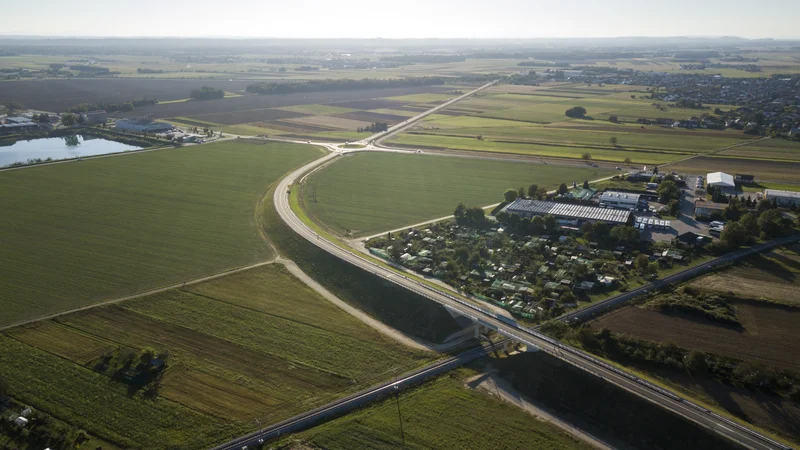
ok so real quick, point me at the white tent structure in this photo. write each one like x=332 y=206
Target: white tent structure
x=720 y=179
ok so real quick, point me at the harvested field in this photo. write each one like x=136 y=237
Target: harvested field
x=293 y=127
x=779 y=286
x=330 y=122
x=317 y=110
x=762 y=169
x=58 y=95
x=768 y=331
x=254 y=345
x=78 y=233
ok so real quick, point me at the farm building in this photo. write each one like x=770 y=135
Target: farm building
x=142 y=125
x=721 y=180
x=782 y=198
x=566 y=213
x=7 y=128
x=94 y=116
x=704 y=208
x=621 y=200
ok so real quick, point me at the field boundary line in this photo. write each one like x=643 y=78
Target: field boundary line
x=143 y=293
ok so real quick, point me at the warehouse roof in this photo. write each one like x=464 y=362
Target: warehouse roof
x=619 y=197
x=567 y=210
x=780 y=193
x=720 y=179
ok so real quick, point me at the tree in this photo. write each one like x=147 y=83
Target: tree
x=734 y=235
x=586 y=156
x=641 y=262
x=695 y=362
x=510 y=195
x=750 y=224
x=625 y=235
x=502 y=217
x=763 y=205
x=563 y=189
x=655 y=170
x=628 y=161
x=476 y=215
x=773 y=224
x=601 y=231
x=586 y=229
x=460 y=211
x=521 y=192
x=586 y=184
x=533 y=191
x=613 y=140
x=537 y=225
x=613 y=119
x=576 y=112
x=69 y=119
x=674 y=208
x=13 y=107
x=550 y=223
x=667 y=191
x=127 y=107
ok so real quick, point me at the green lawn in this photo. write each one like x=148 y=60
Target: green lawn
x=777 y=149
x=442 y=414
x=554 y=151
x=372 y=192
x=76 y=233
x=255 y=345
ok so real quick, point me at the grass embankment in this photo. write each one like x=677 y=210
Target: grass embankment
x=255 y=345
x=392 y=305
x=77 y=233
x=372 y=192
x=441 y=414
x=602 y=409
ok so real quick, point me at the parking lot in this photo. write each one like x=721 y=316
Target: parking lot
x=682 y=224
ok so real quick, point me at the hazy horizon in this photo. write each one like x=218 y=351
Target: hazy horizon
x=359 y=19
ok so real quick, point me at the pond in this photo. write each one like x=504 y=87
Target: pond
x=59 y=148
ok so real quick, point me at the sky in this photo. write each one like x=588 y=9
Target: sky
x=405 y=19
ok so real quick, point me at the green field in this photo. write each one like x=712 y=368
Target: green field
x=629 y=137
x=255 y=345
x=777 y=149
x=372 y=192
x=552 y=151
x=441 y=414
x=77 y=233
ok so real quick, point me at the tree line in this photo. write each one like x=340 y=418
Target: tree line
x=207 y=93
x=376 y=127
x=272 y=87
x=128 y=106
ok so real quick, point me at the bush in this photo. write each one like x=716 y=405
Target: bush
x=576 y=112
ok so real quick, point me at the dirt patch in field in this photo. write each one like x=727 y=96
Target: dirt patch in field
x=778 y=285
x=762 y=169
x=258 y=115
x=768 y=332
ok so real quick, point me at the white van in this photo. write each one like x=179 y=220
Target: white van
x=717 y=224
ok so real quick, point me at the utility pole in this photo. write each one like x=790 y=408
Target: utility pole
x=397 y=401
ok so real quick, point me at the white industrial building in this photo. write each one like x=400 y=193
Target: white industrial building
x=567 y=213
x=621 y=200
x=721 y=180
x=782 y=198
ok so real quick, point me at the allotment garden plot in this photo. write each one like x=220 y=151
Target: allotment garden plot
x=85 y=231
